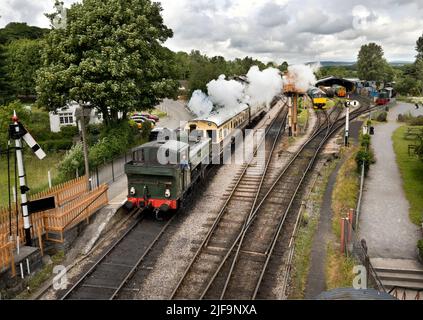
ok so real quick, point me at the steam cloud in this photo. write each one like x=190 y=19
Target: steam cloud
x=228 y=96
x=302 y=75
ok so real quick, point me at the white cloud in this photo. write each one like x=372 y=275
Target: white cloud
x=273 y=29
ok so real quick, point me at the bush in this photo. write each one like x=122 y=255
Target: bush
x=56 y=145
x=365 y=141
x=420 y=248
x=366 y=157
x=73 y=160
x=417 y=121
x=69 y=132
x=382 y=116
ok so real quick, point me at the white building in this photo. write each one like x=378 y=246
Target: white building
x=66 y=117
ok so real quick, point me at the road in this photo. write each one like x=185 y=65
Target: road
x=177 y=114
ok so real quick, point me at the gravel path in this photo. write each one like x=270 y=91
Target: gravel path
x=384 y=221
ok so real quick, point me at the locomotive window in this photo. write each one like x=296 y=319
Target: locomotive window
x=167 y=153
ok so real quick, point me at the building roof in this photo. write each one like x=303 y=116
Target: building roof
x=330 y=81
x=222 y=115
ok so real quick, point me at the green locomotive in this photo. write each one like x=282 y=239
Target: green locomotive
x=162 y=172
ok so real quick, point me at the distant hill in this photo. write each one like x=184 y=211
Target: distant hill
x=347 y=64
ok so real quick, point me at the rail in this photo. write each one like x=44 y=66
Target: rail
x=222 y=211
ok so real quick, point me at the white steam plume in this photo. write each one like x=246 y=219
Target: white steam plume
x=302 y=76
x=263 y=85
x=200 y=104
x=225 y=93
x=229 y=96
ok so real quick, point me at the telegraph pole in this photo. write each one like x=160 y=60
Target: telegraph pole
x=347 y=124
x=84 y=143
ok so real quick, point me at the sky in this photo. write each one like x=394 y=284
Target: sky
x=273 y=30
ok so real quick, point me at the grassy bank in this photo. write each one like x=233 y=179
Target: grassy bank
x=36 y=171
x=345 y=194
x=411 y=169
x=304 y=240
x=339 y=269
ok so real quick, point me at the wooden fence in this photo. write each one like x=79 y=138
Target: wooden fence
x=74 y=203
x=61 y=219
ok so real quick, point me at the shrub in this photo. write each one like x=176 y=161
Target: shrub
x=364 y=157
x=69 y=131
x=56 y=145
x=382 y=117
x=72 y=161
x=420 y=248
x=417 y=121
x=365 y=140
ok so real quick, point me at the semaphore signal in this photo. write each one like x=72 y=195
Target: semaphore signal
x=18 y=132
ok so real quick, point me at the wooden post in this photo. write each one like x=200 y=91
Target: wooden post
x=342 y=235
x=12 y=262
x=40 y=240
x=294 y=114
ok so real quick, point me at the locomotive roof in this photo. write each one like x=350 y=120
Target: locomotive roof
x=172 y=145
x=223 y=115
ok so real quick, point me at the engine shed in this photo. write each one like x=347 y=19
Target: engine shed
x=330 y=81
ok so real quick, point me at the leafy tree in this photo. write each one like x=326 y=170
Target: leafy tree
x=109 y=54
x=5 y=90
x=372 y=65
x=17 y=30
x=6 y=113
x=419 y=48
x=284 y=66
x=23 y=61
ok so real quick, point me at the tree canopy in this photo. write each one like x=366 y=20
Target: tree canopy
x=23 y=61
x=372 y=65
x=110 y=54
x=17 y=30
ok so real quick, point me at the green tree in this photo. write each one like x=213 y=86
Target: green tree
x=5 y=89
x=372 y=65
x=419 y=48
x=284 y=66
x=23 y=61
x=109 y=54
x=17 y=30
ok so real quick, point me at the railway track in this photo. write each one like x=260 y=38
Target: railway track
x=246 y=268
x=239 y=274
x=234 y=213
x=109 y=277
x=116 y=273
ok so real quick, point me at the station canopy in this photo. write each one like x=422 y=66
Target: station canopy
x=330 y=81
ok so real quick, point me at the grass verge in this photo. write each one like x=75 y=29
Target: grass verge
x=304 y=240
x=411 y=169
x=346 y=190
x=339 y=269
x=35 y=282
x=36 y=173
